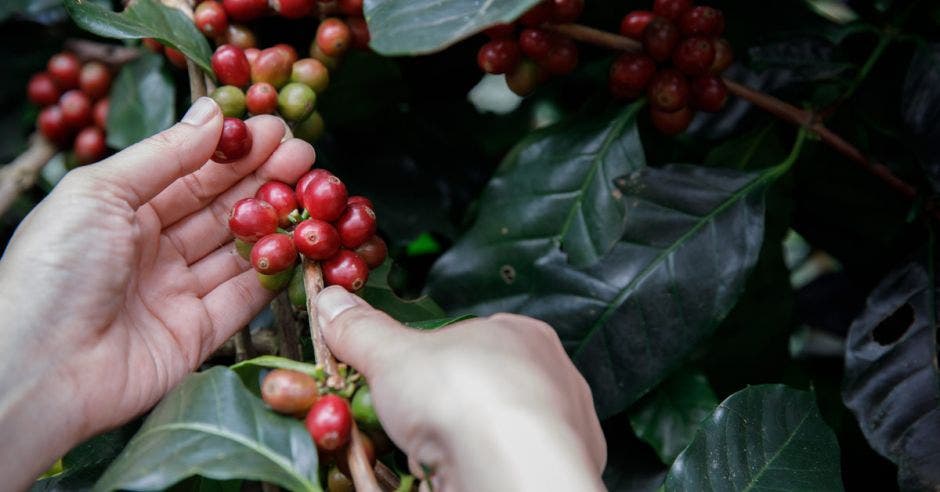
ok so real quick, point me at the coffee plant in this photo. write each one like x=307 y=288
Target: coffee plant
x=726 y=209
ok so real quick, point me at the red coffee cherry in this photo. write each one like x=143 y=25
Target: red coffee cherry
x=64 y=69
x=251 y=54
x=176 y=57
x=287 y=51
x=76 y=108
x=671 y=9
x=566 y=10
x=234 y=143
x=311 y=72
x=89 y=145
x=373 y=251
x=293 y=9
x=333 y=37
x=694 y=55
x=252 y=219
x=525 y=78
x=724 y=56
x=346 y=269
x=631 y=73
x=500 y=31
x=352 y=8
x=95 y=79
x=281 y=197
x=562 y=57
x=356 y=225
x=52 y=125
x=537 y=15
x=240 y=36
x=324 y=197
x=359 y=199
x=271 y=66
x=702 y=21
x=316 y=239
x=289 y=392
x=261 y=98
x=660 y=39
x=99 y=113
x=245 y=10
x=709 y=93
x=303 y=182
x=231 y=66
x=360 y=32
x=211 y=19
x=634 y=23
x=329 y=422
x=535 y=43
x=672 y=123
x=498 y=56
x=669 y=90
x=152 y=45
x=273 y=253
x=42 y=90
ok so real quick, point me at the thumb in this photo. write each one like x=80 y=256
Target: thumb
x=358 y=334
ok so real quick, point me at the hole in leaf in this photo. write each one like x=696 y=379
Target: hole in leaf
x=893 y=327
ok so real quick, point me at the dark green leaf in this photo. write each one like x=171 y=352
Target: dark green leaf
x=433 y=324
x=142 y=102
x=668 y=417
x=84 y=463
x=891 y=378
x=920 y=105
x=250 y=371
x=806 y=58
x=210 y=425
x=411 y=27
x=767 y=437
x=144 y=19
x=380 y=295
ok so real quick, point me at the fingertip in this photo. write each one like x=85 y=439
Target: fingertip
x=334 y=301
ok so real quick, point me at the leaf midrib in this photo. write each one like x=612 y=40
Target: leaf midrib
x=757 y=476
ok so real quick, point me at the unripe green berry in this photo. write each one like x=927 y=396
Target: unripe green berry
x=277 y=281
x=363 y=411
x=312 y=72
x=243 y=248
x=231 y=99
x=295 y=101
x=295 y=289
x=310 y=129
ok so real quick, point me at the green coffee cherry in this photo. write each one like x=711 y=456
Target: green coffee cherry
x=295 y=101
x=363 y=411
x=276 y=282
x=231 y=99
x=310 y=129
x=295 y=289
x=243 y=248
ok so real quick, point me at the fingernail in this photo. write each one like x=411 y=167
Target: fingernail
x=332 y=302
x=201 y=112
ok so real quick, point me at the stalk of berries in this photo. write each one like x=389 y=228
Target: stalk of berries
x=74 y=102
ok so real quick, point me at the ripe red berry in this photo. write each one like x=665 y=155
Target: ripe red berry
x=702 y=21
x=251 y=54
x=76 y=108
x=311 y=72
x=303 y=182
x=231 y=66
x=287 y=51
x=273 y=253
x=281 y=197
x=525 y=78
x=500 y=31
x=562 y=57
x=373 y=251
x=360 y=32
x=152 y=45
x=52 y=124
x=724 y=56
x=566 y=10
x=660 y=39
x=498 y=56
x=42 y=89
x=64 y=69
x=671 y=9
x=324 y=197
x=669 y=90
x=240 y=36
x=329 y=422
x=272 y=66
x=252 y=219
x=359 y=199
x=99 y=113
x=333 y=37
x=632 y=72
x=535 y=43
x=709 y=93
x=352 y=8
x=176 y=57
x=245 y=10
x=95 y=79
x=211 y=19
x=634 y=23
x=293 y=9
x=346 y=269
x=316 y=239
x=289 y=392
x=89 y=145
x=537 y=15
x=356 y=225
x=261 y=98
x=671 y=123
x=234 y=143
x=694 y=55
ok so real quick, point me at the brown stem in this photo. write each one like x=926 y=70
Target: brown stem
x=20 y=175
x=287 y=328
x=362 y=475
x=244 y=349
x=597 y=37
x=110 y=54
x=387 y=479
x=313 y=284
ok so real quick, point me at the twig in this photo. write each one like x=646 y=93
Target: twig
x=109 y=54
x=362 y=476
x=286 y=326
x=313 y=284
x=597 y=37
x=244 y=349
x=387 y=479
x=20 y=175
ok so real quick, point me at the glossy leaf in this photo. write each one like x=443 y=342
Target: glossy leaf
x=380 y=295
x=210 y=425
x=920 y=106
x=410 y=27
x=767 y=437
x=144 y=19
x=142 y=102
x=251 y=370
x=668 y=417
x=891 y=380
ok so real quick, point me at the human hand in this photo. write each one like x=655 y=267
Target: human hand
x=488 y=404
x=124 y=279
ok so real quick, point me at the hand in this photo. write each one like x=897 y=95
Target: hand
x=489 y=404
x=123 y=280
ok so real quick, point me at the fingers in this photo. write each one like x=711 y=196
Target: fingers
x=232 y=305
x=359 y=335
x=218 y=267
x=143 y=170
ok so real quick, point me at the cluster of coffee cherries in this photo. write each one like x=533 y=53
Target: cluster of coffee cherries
x=316 y=219
x=529 y=57
x=329 y=418
x=74 y=101
x=680 y=66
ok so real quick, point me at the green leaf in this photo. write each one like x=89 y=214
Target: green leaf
x=411 y=27
x=891 y=383
x=210 y=425
x=380 y=295
x=433 y=324
x=84 y=463
x=767 y=437
x=144 y=19
x=668 y=417
x=142 y=102
x=250 y=370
